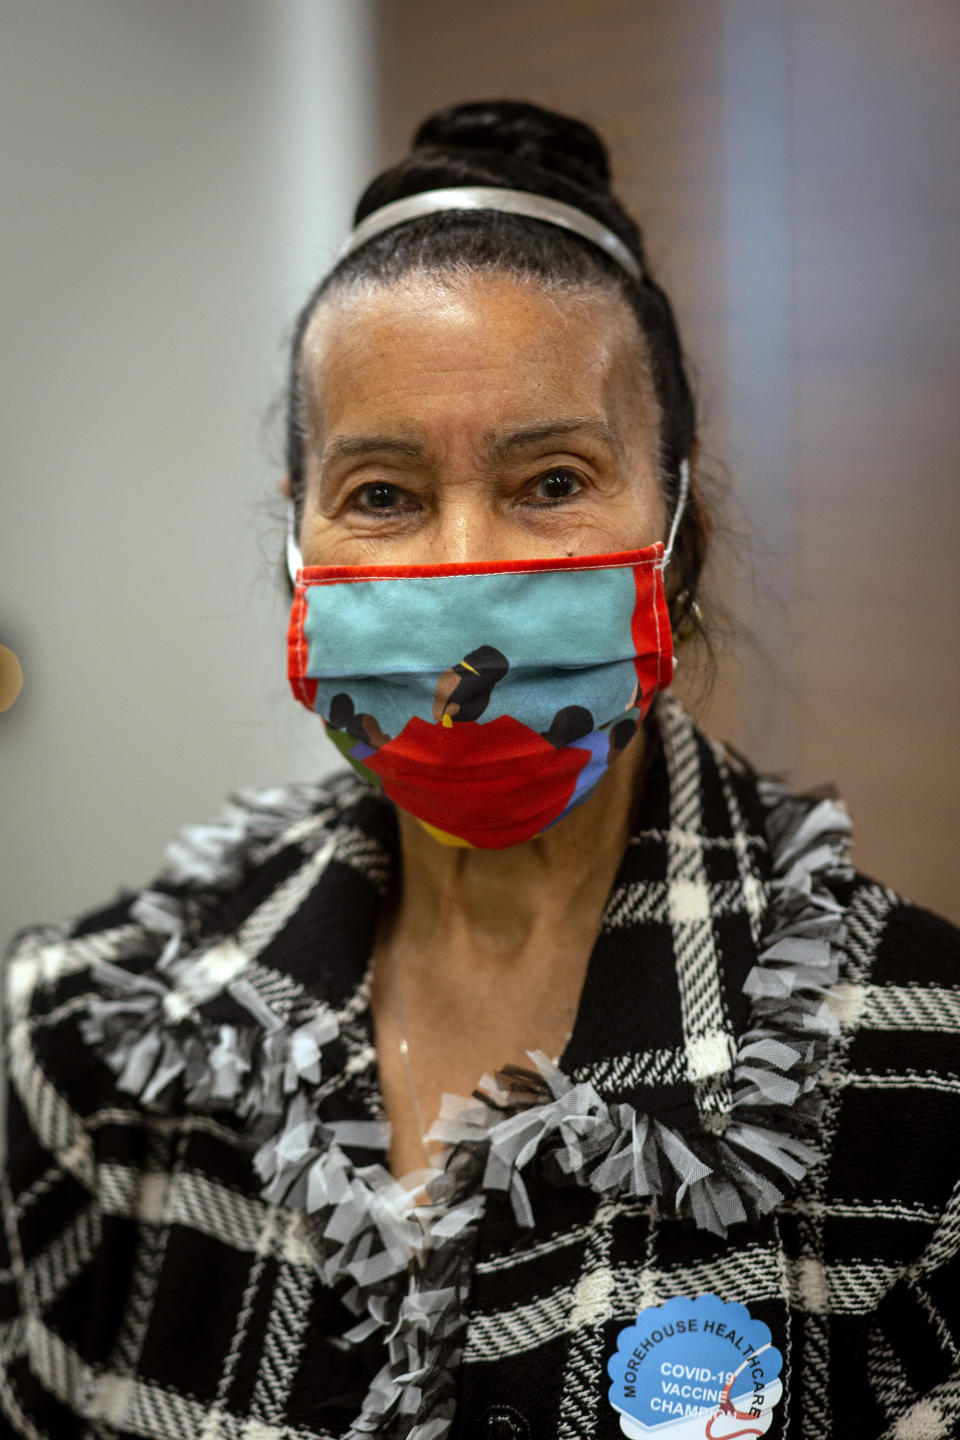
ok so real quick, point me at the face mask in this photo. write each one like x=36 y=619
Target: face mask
x=485 y=699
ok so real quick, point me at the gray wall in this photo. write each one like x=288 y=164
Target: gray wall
x=175 y=175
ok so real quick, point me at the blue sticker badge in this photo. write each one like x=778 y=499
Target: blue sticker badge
x=695 y=1369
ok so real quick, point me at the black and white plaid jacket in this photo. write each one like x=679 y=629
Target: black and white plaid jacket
x=147 y=1290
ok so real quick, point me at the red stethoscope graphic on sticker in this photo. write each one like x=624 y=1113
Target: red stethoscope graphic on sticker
x=695 y=1368
x=728 y=1411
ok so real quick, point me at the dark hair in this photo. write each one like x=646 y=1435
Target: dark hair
x=523 y=147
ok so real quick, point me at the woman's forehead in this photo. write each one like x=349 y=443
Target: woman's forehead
x=481 y=303
x=482 y=343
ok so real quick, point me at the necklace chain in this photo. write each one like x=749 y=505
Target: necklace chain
x=405 y=1048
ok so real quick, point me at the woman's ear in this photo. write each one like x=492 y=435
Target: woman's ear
x=284 y=485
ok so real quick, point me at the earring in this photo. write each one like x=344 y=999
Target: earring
x=691 y=617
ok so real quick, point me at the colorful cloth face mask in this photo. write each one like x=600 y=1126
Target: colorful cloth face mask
x=485 y=699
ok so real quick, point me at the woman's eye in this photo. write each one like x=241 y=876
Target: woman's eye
x=379 y=496
x=556 y=485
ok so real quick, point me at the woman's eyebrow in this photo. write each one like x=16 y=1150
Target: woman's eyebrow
x=498 y=447
x=501 y=447
x=371 y=444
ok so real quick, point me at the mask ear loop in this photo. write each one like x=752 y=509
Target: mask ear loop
x=682 y=496
x=294 y=558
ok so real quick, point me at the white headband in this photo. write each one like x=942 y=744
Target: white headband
x=295 y=559
x=492 y=197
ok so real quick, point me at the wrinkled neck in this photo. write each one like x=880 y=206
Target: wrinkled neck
x=495 y=905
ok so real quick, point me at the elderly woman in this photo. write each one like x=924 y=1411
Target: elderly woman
x=547 y=1073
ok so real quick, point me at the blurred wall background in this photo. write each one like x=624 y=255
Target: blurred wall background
x=793 y=164
x=176 y=174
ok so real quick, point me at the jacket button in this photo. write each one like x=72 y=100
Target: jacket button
x=503 y=1422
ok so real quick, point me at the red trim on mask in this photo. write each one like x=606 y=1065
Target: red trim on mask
x=331 y=574
x=650 y=629
x=664 y=654
x=304 y=688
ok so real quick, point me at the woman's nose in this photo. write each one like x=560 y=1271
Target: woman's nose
x=469 y=531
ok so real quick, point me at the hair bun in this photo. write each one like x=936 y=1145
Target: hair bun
x=554 y=142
